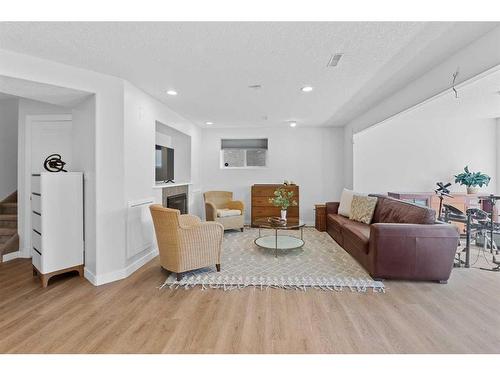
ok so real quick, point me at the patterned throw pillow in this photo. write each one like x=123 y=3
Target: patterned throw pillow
x=362 y=208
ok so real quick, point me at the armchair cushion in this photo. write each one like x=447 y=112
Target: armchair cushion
x=226 y=212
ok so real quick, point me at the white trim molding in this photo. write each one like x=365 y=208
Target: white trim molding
x=25 y=175
x=109 y=277
x=14 y=255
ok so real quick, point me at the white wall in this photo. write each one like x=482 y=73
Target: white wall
x=142 y=112
x=311 y=157
x=124 y=138
x=83 y=116
x=476 y=58
x=109 y=175
x=8 y=147
x=430 y=144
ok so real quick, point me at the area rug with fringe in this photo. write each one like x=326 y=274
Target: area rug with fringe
x=321 y=264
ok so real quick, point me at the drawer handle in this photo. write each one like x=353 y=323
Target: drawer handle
x=37 y=213
x=37 y=232
x=34 y=248
x=37 y=194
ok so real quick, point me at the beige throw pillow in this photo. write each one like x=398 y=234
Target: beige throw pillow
x=345 y=202
x=362 y=208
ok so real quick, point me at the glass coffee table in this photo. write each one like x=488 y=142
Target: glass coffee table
x=279 y=242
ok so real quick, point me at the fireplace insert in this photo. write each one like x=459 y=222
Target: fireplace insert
x=178 y=202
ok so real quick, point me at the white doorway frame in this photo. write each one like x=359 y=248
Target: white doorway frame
x=24 y=219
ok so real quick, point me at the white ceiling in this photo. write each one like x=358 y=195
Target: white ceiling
x=211 y=64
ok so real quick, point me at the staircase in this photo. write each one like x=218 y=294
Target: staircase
x=9 y=239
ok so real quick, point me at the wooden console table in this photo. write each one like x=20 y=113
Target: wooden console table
x=260 y=201
x=320 y=217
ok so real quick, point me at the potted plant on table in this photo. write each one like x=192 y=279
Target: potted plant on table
x=472 y=180
x=283 y=199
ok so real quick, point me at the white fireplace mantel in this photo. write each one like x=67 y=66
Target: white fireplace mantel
x=167 y=185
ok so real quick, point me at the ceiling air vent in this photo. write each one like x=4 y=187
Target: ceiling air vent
x=334 y=60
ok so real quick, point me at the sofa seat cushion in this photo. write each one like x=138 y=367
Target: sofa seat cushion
x=357 y=235
x=225 y=212
x=337 y=221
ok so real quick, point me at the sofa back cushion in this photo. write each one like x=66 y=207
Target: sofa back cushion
x=390 y=210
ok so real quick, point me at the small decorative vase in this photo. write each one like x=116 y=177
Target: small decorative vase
x=472 y=189
x=283 y=215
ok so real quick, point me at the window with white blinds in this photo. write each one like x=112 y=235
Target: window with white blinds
x=244 y=153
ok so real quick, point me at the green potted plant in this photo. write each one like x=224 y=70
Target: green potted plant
x=472 y=180
x=283 y=199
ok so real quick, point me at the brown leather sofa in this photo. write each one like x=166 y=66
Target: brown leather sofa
x=403 y=242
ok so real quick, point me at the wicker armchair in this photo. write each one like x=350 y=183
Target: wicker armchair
x=185 y=242
x=215 y=201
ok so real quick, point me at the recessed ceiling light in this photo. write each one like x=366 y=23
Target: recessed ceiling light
x=172 y=92
x=307 y=88
x=293 y=124
x=209 y=123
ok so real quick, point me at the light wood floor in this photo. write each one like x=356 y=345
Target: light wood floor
x=133 y=316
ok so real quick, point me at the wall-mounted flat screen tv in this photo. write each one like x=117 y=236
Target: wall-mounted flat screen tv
x=164 y=161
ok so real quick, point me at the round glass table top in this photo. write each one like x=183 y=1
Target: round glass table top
x=274 y=223
x=279 y=242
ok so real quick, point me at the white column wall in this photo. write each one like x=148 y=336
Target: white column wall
x=109 y=168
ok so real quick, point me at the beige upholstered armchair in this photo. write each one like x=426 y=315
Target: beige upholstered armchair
x=220 y=207
x=185 y=242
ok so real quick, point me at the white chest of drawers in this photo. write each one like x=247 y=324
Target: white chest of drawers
x=57 y=224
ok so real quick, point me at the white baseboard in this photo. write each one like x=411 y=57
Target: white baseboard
x=10 y=256
x=131 y=268
x=90 y=276
x=122 y=273
x=14 y=255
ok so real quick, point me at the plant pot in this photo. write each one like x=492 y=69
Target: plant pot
x=472 y=189
x=283 y=214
